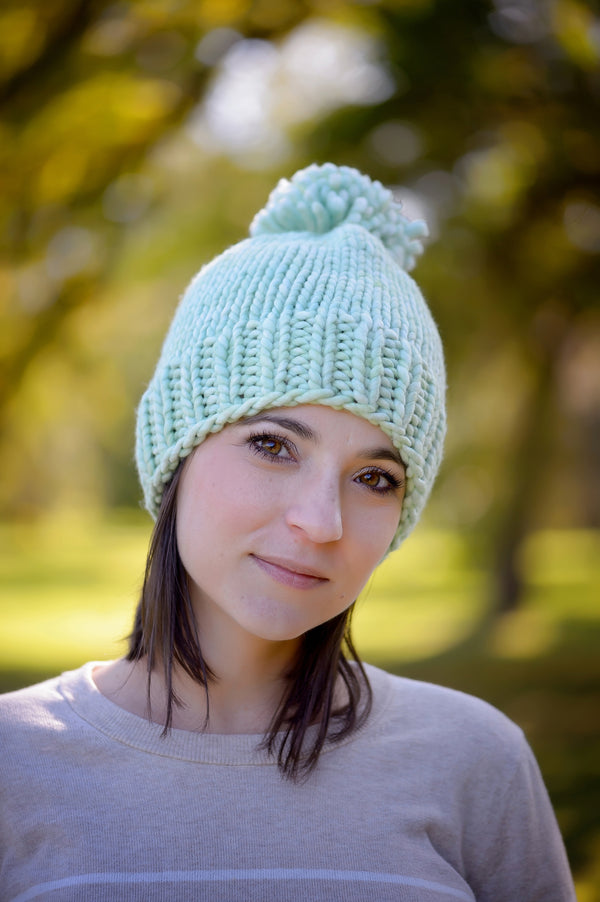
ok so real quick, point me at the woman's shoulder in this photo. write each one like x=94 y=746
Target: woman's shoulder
x=42 y=706
x=436 y=716
x=21 y=702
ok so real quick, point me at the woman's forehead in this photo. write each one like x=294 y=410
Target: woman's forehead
x=319 y=415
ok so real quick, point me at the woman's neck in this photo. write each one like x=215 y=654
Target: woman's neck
x=248 y=686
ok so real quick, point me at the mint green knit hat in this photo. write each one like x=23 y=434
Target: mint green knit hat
x=316 y=307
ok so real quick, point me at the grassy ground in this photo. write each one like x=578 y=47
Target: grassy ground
x=68 y=588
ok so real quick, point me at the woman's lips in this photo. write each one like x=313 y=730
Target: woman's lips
x=298 y=576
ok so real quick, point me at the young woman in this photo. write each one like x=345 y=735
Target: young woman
x=286 y=443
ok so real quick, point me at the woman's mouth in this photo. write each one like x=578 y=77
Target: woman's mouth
x=290 y=573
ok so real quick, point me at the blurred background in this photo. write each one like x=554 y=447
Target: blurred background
x=138 y=139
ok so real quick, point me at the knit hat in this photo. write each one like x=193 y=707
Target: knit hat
x=316 y=307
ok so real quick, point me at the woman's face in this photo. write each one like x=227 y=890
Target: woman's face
x=281 y=519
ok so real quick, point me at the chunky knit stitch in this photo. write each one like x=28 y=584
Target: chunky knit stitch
x=316 y=307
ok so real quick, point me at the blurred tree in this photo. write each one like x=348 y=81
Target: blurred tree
x=88 y=90
x=125 y=126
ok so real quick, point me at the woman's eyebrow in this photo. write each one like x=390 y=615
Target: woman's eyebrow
x=302 y=430
x=382 y=454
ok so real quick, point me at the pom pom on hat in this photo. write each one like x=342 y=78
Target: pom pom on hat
x=320 y=198
x=316 y=307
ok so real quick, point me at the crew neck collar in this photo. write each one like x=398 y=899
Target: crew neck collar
x=81 y=693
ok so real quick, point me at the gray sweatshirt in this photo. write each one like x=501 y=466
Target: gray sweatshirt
x=437 y=798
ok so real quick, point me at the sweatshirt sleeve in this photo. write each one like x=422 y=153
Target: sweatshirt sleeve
x=517 y=852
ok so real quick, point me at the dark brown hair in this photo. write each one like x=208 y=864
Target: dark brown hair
x=165 y=632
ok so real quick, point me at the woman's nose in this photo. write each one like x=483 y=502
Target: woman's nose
x=316 y=510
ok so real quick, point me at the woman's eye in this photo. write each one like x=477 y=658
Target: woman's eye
x=378 y=481
x=270 y=446
x=370 y=479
